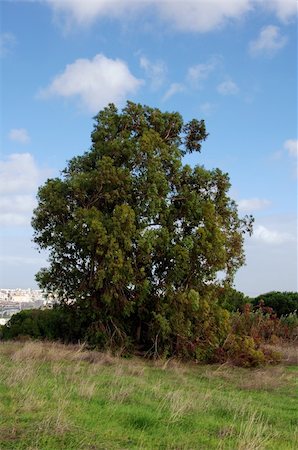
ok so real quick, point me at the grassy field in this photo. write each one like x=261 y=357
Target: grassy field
x=62 y=397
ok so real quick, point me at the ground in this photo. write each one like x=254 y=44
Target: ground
x=65 y=397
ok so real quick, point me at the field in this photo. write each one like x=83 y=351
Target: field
x=63 y=397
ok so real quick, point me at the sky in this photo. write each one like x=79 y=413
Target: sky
x=231 y=63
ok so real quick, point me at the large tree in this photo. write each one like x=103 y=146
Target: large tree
x=136 y=238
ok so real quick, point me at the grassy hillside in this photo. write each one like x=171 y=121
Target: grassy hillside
x=62 y=397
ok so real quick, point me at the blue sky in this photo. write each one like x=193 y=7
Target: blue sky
x=232 y=63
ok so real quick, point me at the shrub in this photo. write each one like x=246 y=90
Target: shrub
x=189 y=325
x=243 y=351
x=283 y=303
x=35 y=323
x=232 y=300
x=289 y=326
x=261 y=324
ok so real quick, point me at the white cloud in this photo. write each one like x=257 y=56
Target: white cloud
x=174 y=88
x=198 y=73
x=285 y=10
x=7 y=42
x=253 y=204
x=203 y=16
x=208 y=108
x=19 y=260
x=269 y=236
x=228 y=87
x=19 y=135
x=19 y=179
x=269 y=41
x=155 y=71
x=85 y=12
x=291 y=145
x=270 y=266
x=95 y=82
x=190 y=15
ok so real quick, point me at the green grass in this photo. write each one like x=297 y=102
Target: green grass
x=58 y=397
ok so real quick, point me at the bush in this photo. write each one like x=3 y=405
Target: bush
x=243 y=351
x=289 y=326
x=232 y=300
x=261 y=324
x=35 y=323
x=283 y=303
x=190 y=325
x=198 y=328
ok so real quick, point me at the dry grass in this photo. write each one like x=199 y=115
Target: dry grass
x=266 y=378
x=86 y=389
x=28 y=400
x=56 y=396
x=10 y=433
x=52 y=351
x=120 y=394
x=56 y=422
x=254 y=432
x=22 y=374
x=288 y=351
x=178 y=404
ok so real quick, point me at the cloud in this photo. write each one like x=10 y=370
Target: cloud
x=198 y=73
x=85 y=12
x=19 y=179
x=253 y=204
x=269 y=236
x=269 y=41
x=7 y=42
x=174 y=88
x=154 y=71
x=285 y=10
x=270 y=266
x=208 y=108
x=19 y=260
x=291 y=145
x=190 y=15
x=96 y=82
x=203 y=16
x=19 y=135
x=228 y=87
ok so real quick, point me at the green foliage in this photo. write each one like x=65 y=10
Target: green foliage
x=60 y=323
x=283 y=303
x=261 y=324
x=243 y=351
x=136 y=239
x=189 y=326
x=232 y=300
x=289 y=326
x=35 y=323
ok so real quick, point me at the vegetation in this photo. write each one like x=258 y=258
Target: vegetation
x=233 y=300
x=241 y=339
x=63 y=397
x=283 y=303
x=136 y=239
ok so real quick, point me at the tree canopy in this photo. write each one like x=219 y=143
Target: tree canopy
x=136 y=238
x=282 y=303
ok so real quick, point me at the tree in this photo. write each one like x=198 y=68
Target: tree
x=136 y=239
x=233 y=300
x=283 y=303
